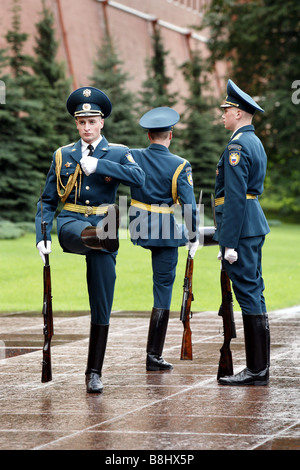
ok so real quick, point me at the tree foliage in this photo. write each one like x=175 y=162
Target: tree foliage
x=156 y=88
x=33 y=120
x=121 y=126
x=260 y=40
x=49 y=84
x=202 y=137
x=20 y=179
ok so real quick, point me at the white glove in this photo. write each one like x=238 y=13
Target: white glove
x=89 y=165
x=193 y=247
x=230 y=255
x=220 y=257
x=44 y=250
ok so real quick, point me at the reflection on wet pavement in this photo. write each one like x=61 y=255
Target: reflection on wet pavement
x=182 y=409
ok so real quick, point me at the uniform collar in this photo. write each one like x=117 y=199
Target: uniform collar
x=94 y=144
x=249 y=127
x=158 y=147
x=77 y=150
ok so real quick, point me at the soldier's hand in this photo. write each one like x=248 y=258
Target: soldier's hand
x=44 y=250
x=193 y=248
x=220 y=257
x=230 y=255
x=89 y=165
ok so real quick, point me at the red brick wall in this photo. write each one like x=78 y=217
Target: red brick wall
x=80 y=26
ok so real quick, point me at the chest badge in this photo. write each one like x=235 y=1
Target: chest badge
x=68 y=164
x=108 y=179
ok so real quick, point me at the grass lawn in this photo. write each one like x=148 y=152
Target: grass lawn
x=22 y=272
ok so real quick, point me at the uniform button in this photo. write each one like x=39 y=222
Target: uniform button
x=87 y=201
x=87 y=188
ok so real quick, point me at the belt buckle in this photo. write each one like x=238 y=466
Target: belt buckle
x=88 y=211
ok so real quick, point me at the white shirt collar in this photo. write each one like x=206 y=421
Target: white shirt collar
x=94 y=144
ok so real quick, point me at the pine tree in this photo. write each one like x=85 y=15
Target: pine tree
x=20 y=176
x=203 y=138
x=122 y=125
x=260 y=39
x=50 y=85
x=155 y=89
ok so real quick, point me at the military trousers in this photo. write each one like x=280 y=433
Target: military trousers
x=100 y=270
x=164 y=262
x=246 y=276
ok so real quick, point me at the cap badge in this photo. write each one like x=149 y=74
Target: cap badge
x=86 y=106
x=87 y=92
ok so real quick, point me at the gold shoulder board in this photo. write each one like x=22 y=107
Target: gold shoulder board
x=174 y=182
x=237 y=136
x=68 y=145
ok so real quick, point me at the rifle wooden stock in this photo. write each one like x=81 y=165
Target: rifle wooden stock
x=226 y=312
x=186 y=347
x=48 y=323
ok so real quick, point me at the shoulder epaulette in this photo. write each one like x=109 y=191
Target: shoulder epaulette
x=116 y=145
x=237 y=136
x=174 y=182
x=68 y=145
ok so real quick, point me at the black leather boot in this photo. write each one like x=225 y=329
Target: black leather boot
x=156 y=339
x=106 y=237
x=256 y=345
x=268 y=337
x=97 y=347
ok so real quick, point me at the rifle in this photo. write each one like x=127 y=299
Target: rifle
x=185 y=313
x=188 y=297
x=226 y=312
x=47 y=311
x=229 y=331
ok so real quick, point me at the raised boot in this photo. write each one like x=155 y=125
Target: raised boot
x=156 y=340
x=105 y=237
x=256 y=346
x=97 y=347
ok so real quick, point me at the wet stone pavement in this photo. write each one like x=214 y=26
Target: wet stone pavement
x=182 y=410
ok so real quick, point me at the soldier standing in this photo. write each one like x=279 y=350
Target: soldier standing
x=241 y=229
x=85 y=176
x=168 y=179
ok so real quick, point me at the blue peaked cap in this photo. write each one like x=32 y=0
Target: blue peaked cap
x=159 y=119
x=239 y=99
x=88 y=101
